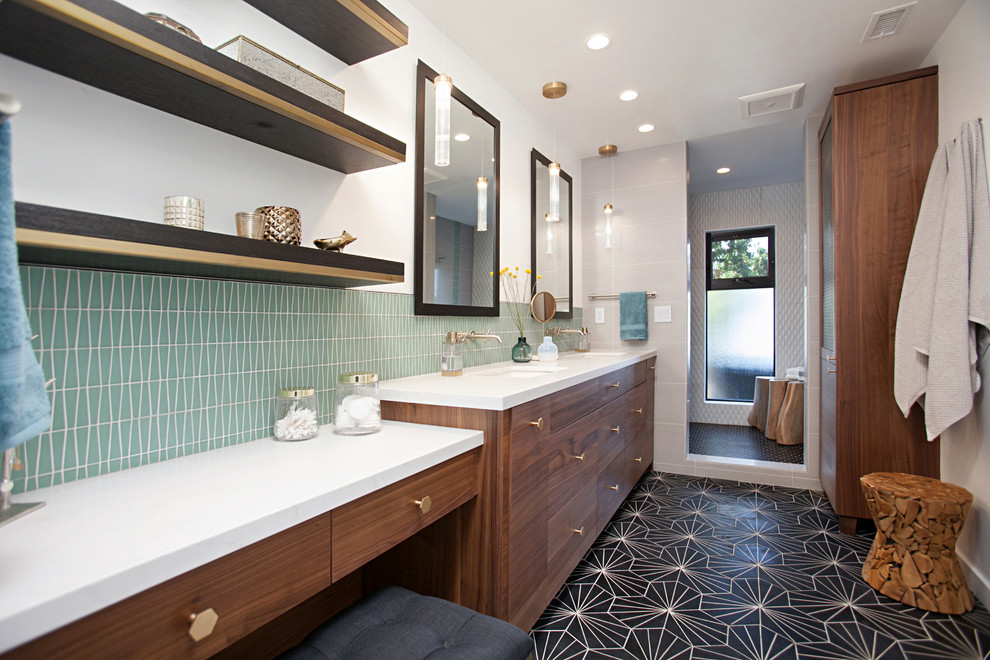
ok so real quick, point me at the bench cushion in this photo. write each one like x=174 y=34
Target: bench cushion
x=398 y=623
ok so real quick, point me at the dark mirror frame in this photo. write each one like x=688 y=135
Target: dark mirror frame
x=424 y=72
x=539 y=160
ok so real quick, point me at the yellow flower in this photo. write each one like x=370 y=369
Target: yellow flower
x=492 y=273
x=517 y=267
x=515 y=277
x=528 y=271
x=539 y=277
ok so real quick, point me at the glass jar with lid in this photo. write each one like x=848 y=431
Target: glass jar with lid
x=357 y=408
x=296 y=414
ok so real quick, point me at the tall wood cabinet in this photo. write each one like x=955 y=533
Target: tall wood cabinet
x=876 y=144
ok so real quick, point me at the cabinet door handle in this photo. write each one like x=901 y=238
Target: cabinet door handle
x=652 y=367
x=614 y=385
x=638 y=411
x=424 y=504
x=579 y=532
x=615 y=487
x=830 y=359
x=538 y=424
x=578 y=458
x=615 y=429
x=638 y=459
x=202 y=623
x=830 y=371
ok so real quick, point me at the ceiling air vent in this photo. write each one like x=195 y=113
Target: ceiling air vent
x=776 y=100
x=886 y=22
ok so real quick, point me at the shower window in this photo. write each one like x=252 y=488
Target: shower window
x=739 y=329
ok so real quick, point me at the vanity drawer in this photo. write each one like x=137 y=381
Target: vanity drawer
x=246 y=589
x=613 y=487
x=612 y=386
x=532 y=420
x=574 y=403
x=571 y=531
x=639 y=455
x=367 y=527
x=573 y=457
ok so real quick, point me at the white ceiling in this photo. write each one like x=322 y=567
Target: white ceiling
x=690 y=60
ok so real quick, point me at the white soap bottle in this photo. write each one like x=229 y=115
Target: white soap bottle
x=547 y=350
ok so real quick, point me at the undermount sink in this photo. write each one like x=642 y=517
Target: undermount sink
x=520 y=371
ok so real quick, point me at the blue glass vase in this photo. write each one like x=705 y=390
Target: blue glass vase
x=522 y=352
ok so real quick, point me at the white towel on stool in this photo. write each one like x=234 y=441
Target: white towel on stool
x=795 y=373
x=945 y=302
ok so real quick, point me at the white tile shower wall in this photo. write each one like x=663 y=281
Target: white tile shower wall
x=782 y=206
x=649 y=253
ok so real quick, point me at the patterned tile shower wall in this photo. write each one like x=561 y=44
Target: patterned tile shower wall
x=149 y=368
x=780 y=205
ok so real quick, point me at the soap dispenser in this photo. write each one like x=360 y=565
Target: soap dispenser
x=547 y=351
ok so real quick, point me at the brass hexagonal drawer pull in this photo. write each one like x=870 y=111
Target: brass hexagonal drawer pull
x=424 y=504
x=201 y=624
x=538 y=424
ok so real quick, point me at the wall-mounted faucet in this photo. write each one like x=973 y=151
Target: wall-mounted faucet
x=452 y=350
x=567 y=331
x=454 y=337
x=584 y=340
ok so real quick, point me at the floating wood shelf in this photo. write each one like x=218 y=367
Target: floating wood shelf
x=350 y=30
x=60 y=237
x=109 y=46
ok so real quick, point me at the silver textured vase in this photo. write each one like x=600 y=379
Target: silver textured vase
x=282 y=224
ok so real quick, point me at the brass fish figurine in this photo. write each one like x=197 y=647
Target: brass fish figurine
x=335 y=244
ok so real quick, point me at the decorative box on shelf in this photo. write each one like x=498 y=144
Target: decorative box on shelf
x=275 y=66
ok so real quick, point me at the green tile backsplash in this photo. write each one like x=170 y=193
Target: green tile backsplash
x=149 y=368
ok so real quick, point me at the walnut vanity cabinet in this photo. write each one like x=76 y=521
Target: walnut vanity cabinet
x=553 y=471
x=876 y=144
x=260 y=600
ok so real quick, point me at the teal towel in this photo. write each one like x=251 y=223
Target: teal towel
x=632 y=315
x=24 y=408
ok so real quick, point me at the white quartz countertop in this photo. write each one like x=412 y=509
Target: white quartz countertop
x=100 y=540
x=506 y=384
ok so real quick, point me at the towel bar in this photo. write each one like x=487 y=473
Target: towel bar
x=615 y=296
x=9 y=106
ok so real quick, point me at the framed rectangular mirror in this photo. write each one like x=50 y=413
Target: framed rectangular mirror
x=551 y=242
x=457 y=208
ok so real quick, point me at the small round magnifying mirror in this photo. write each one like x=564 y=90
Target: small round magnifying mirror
x=543 y=306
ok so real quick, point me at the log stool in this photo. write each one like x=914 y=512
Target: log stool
x=778 y=389
x=913 y=558
x=761 y=395
x=790 y=424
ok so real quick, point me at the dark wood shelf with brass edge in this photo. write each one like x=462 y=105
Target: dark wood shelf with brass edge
x=51 y=236
x=109 y=46
x=350 y=30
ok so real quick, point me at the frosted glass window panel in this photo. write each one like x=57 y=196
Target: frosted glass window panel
x=740 y=342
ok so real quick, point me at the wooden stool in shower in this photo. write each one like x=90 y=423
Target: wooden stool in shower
x=790 y=423
x=761 y=395
x=913 y=558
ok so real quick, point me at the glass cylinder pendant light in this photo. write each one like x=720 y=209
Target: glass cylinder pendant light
x=608 y=225
x=554 y=90
x=443 y=86
x=554 y=215
x=482 y=203
x=609 y=150
x=549 y=235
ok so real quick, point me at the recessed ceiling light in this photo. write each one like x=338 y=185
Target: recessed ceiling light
x=723 y=170
x=646 y=128
x=462 y=137
x=597 y=41
x=629 y=95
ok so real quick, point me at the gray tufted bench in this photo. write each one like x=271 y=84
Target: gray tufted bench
x=398 y=624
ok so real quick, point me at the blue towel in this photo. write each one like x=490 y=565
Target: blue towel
x=24 y=408
x=632 y=315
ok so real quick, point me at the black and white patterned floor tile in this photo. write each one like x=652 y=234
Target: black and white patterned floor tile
x=739 y=442
x=693 y=568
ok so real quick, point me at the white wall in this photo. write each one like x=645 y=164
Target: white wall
x=80 y=148
x=812 y=300
x=962 y=54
